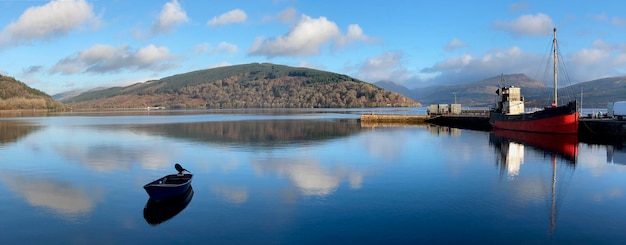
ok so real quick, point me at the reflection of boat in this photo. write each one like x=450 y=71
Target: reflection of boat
x=511 y=144
x=158 y=212
x=565 y=145
x=169 y=186
x=510 y=114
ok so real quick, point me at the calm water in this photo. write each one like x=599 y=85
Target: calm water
x=302 y=177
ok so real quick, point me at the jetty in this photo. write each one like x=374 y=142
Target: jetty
x=602 y=127
x=591 y=127
x=391 y=118
x=462 y=121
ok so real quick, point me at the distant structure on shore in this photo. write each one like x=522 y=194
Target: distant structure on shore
x=443 y=109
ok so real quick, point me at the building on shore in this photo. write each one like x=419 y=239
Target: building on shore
x=444 y=109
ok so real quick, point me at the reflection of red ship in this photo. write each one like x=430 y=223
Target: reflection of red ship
x=565 y=145
x=511 y=146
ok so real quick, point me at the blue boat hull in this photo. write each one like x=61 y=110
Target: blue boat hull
x=169 y=186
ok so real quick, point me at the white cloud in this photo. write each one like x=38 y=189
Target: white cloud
x=355 y=33
x=233 y=16
x=54 y=19
x=172 y=15
x=105 y=58
x=468 y=68
x=147 y=55
x=222 y=47
x=387 y=66
x=455 y=43
x=225 y=47
x=201 y=48
x=598 y=61
x=590 y=56
x=458 y=62
x=386 y=60
x=306 y=38
x=602 y=59
x=532 y=25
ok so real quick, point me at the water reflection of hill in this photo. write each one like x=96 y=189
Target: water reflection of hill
x=260 y=132
x=11 y=131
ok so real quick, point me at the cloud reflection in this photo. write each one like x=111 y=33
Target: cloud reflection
x=109 y=157
x=59 y=196
x=309 y=176
x=106 y=151
x=613 y=193
x=231 y=194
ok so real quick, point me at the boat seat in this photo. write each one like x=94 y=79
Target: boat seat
x=175 y=180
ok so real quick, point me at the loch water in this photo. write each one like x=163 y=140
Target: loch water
x=316 y=176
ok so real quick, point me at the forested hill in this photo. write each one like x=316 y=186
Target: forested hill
x=245 y=86
x=15 y=95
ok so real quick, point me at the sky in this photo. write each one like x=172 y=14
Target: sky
x=62 y=45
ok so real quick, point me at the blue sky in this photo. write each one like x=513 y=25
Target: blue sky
x=61 y=45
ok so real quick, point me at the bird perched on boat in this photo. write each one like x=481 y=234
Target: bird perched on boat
x=180 y=169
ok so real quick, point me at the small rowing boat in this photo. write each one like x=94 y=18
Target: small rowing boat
x=169 y=186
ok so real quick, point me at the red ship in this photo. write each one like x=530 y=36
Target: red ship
x=563 y=145
x=509 y=113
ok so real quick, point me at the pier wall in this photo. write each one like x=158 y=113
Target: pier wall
x=385 y=118
x=480 y=121
x=464 y=122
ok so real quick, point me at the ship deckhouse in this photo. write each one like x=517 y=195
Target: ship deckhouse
x=511 y=101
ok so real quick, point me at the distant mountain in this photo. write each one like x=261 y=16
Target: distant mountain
x=244 y=86
x=596 y=93
x=480 y=93
x=15 y=95
x=394 y=87
x=67 y=95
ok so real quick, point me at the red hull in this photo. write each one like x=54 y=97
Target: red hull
x=564 y=124
x=565 y=145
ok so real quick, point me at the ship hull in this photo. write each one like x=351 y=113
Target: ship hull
x=561 y=120
x=564 y=145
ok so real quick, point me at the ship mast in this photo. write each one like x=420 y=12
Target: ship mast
x=555 y=103
x=553 y=200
